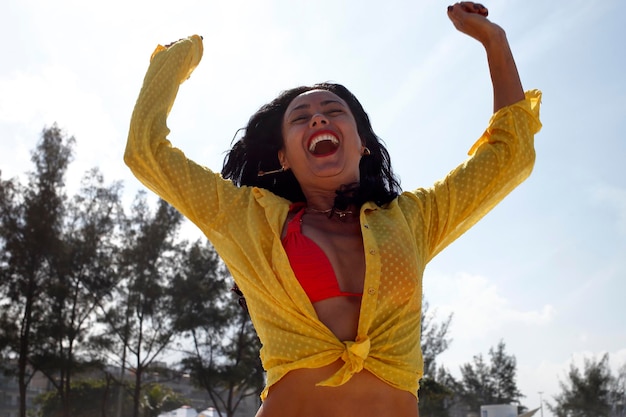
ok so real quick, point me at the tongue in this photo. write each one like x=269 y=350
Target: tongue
x=324 y=147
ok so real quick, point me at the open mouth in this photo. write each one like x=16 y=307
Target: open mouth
x=323 y=144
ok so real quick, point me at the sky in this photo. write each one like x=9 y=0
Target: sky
x=545 y=271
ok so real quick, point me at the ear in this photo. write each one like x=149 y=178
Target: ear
x=282 y=158
x=364 y=149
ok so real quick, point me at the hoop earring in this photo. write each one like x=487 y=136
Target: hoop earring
x=366 y=151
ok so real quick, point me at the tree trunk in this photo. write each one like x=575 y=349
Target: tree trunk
x=24 y=350
x=137 y=395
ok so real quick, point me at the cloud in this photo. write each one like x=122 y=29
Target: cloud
x=617 y=359
x=55 y=94
x=478 y=306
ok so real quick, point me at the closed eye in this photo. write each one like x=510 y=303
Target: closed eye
x=304 y=117
x=300 y=118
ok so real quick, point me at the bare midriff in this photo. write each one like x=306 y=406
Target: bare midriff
x=364 y=395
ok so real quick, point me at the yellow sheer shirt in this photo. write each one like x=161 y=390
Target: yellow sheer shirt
x=244 y=225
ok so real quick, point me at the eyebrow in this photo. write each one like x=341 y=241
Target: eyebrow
x=323 y=103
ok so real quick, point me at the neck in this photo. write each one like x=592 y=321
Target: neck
x=320 y=201
x=344 y=198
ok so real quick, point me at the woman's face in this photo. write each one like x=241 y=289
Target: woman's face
x=321 y=142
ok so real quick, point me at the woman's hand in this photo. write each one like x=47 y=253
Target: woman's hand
x=195 y=41
x=181 y=39
x=471 y=18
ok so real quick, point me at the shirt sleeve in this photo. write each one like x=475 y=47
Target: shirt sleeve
x=499 y=161
x=197 y=192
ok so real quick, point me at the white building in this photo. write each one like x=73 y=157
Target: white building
x=209 y=412
x=184 y=411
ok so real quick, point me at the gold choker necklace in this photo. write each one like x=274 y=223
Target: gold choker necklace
x=340 y=213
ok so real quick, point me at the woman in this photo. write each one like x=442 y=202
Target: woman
x=308 y=217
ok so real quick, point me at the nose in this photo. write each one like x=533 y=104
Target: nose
x=318 y=119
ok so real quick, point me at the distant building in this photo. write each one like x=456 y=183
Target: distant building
x=209 y=412
x=460 y=409
x=498 y=410
x=187 y=411
x=10 y=393
x=184 y=411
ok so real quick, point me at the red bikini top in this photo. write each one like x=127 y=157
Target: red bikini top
x=309 y=262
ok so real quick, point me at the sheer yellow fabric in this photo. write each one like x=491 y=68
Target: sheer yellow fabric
x=244 y=225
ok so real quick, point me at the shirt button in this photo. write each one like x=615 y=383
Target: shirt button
x=371 y=291
x=372 y=251
x=367 y=226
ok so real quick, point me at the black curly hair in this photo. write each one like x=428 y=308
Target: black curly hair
x=257 y=150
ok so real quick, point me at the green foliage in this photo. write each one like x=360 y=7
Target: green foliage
x=158 y=398
x=489 y=383
x=82 y=274
x=31 y=225
x=592 y=391
x=434 y=339
x=503 y=374
x=434 y=398
x=138 y=323
x=224 y=358
x=60 y=261
x=435 y=391
x=99 y=398
x=89 y=398
x=476 y=385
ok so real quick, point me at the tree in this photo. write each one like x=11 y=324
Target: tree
x=492 y=383
x=618 y=393
x=434 y=398
x=434 y=339
x=435 y=391
x=587 y=393
x=476 y=386
x=90 y=398
x=56 y=265
x=30 y=225
x=138 y=319
x=503 y=373
x=158 y=398
x=82 y=273
x=224 y=354
x=95 y=398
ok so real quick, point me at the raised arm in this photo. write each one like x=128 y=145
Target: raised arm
x=194 y=190
x=500 y=159
x=149 y=153
x=471 y=18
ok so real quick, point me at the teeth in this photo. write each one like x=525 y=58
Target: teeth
x=321 y=138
